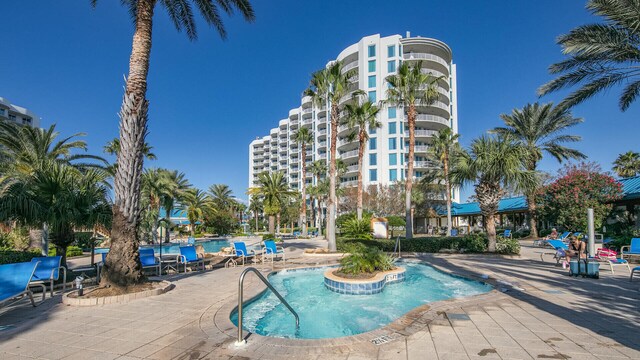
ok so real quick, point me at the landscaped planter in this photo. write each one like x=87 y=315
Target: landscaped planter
x=161 y=288
x=369 y=286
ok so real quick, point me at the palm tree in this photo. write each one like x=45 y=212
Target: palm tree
x=113 y=148
x=222 y=196
x=59 y=195
x=409 y=88
x=491 y=164
x=317 y=168
x=445 y=142
x=196 y=201
x=123 y=267
x=538 y=127
x=601 y=55
x=155 y=187
x=178 y=189
x=304 y=137
x=328 y=86
x=255 y=206
x=361 y=116
x=274 y=192
x=627 y=164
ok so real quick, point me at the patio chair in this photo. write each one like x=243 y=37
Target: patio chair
x=559 y=246
x=271 y=250
x=188 y=256
x=149 y=260
x=610 y=257
x=241 y=251
x=565 y=236
x=637 y=268
x=632 y=250
x=15 y=280
x=49 y=270
x=507 y=234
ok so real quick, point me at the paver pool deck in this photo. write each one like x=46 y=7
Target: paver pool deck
x=542 y=314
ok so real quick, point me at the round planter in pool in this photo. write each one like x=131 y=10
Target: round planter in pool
x=369 y=286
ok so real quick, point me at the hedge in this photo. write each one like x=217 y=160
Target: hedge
x=474 y=243
x=10 y=256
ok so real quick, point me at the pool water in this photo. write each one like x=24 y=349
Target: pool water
x=326 y=314
x=210 y=246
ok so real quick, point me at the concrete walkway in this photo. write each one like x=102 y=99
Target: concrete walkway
x=542 y=314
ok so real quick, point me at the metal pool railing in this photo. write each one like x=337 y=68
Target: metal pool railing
x=241 y=300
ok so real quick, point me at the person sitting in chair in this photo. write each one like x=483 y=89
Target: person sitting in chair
x=577 y=248
x=553 y=235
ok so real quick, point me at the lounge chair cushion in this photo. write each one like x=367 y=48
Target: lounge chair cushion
x=241 y=248
x=49 y=268
x=15 y=278
x=189 y=252
x=147 y=257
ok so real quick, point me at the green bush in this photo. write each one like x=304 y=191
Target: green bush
x=356 y=229
x=342 y=219
x=364 y=259
x=396 y=220
x=16 y=239
x=507 y=246
x=10 y=256
x=268 y=236
x=71 y=251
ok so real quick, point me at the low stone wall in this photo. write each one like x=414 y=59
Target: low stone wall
x=370 y=286
x=160 y=289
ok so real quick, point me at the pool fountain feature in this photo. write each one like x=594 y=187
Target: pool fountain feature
x=368 y=286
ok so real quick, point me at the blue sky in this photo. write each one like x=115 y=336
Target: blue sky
x=210 y=98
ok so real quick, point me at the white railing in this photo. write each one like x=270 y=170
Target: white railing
x=307 y=110
x=420 y=148
x=435 y=73
x=431 y=118
x=321 y=156
x=424 y=56
x=428 y=133
x=322 y=132
x=345 y=142
x=293 y=122
x=349 y=66
x=322 y=144
x=306 y=99
x=349 y=183
x=352 y=168
x=424 y=164
x=307 y=121
x=349 y=154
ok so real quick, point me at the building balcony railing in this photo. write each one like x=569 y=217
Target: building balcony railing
x=322 y=132
x=422 y=133
x=349 y=154
x=425 y=164
x=349 y=66
x=307 y=110
x=431 y=118
x=322 y=156
x=307 y=121
x=349 y=183
x=352 y=168
x=424 y=56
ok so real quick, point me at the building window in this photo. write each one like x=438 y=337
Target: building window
x=393 y=159
x=372 y=50
x=372 y=131
x=372 y=65
x=372 y=81
x=391 y=66
x=393 y=175
x=372 y=96
x=373 y=160
x=12 y=117
x=372 y=144
x=392 y=128
x=373 y=175
x=391 y=51
x=391 y=113
x=392 y=144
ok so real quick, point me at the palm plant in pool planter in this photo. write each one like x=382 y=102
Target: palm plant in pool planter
x=364 y=262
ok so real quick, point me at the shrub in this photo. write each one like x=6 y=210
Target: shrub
x=10 y=256
x=16 y=239
x=356 y=229
x=507 y=246
x=395 y=220
x=365 y=260
x=268 y=236
x=71 y=251
x=342 y=219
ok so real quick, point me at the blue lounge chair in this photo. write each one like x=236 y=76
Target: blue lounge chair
x=271 y=250
x=557 y=245
x=15 y=280
x=49 y=270
x=188 y=256
x=507 y=234
x=242 y=251
x=632 y=250
x=637 y=268
x=149 y=260
x=565 y=236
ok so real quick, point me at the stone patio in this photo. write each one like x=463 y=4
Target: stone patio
x=537 y=311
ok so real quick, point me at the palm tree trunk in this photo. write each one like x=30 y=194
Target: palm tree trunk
x=122 y=266
x=333 y=200
x=319 y=210
x=491 y=232
x=303 y=208
x=272 y=226
x=360 y=156
x=533 y=217
x=448 y=187
x=277 y=223
x=409 y=178
x=192 y=228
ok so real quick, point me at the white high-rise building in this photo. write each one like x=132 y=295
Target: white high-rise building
x=17 y=114
x=375 y=58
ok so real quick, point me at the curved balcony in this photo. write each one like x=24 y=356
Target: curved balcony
x=352 y=169
x=293 y=113
x=306 y=100
x=349 y=183
x=307 y=121
x=424 y=165
x=349 y=66
x=419 y=148
x=349 y=154
x=322 y=156
x=436 y=119
x=422 y=133
x=428 y=59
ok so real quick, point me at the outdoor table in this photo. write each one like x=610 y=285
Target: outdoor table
x=169 y=262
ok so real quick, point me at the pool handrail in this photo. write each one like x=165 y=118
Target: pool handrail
x=241 y=294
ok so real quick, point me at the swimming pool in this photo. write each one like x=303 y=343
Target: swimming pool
x=326 y=314
x=210 y=246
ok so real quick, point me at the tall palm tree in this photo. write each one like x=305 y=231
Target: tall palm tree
x=255 y=206
x=491 y=164
x=304 y=137
x=122 y=266
x=177 y=191
x=411 y=87
x=328 y=86
x=317 y=168
x=361 y=116
x=538 y=128
x=274 y=192
x=222 y=196
x=155 y=186
x=113 y=148
x=600 y=55
x=196 y=201
x=627 y=164
x=444 y=144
